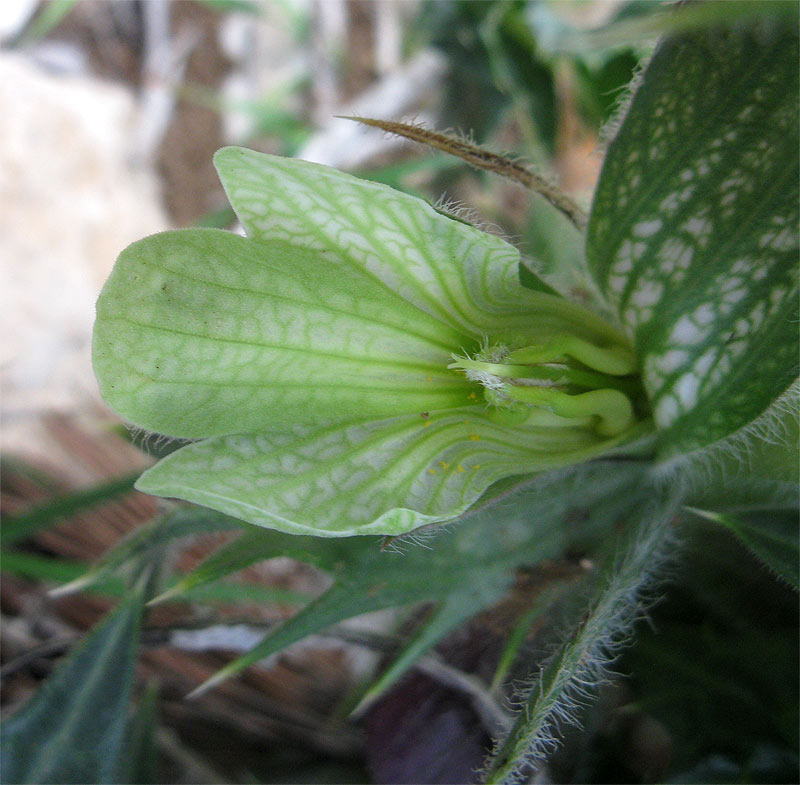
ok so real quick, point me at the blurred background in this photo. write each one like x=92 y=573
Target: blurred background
x=110 y=113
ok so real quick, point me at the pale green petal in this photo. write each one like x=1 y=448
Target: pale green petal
x=375 y=478
x=201 y=332
x=463 y=276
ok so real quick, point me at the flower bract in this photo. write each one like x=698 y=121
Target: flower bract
x=360 y=363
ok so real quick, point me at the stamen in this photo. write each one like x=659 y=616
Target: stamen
x=612 y=408
x=568 y=377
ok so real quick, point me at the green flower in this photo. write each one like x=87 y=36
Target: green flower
x=360 y=363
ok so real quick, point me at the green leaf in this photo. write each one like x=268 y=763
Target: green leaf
x=522 y=523
x=519 y=634
x=757 y=469
x=494 y=66
x=45 y=568
x=48 y=514
x=252 y=546
x=144 y=541
x=554 y=252
x=693 y=233
x=140 y=760
x=716 y=660
x=772 y=536
x=61 y=570
x=579 y=663
x=73 y=729
x=449 y=614
x=376 y=478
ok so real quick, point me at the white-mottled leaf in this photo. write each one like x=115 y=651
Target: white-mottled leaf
x=315 y=355
x=385 y=477
x=694 y=229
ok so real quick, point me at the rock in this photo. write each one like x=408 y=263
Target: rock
x=70 y=201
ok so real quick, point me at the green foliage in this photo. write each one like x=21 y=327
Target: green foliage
x=494 y=64
x=143 y=543
x=577 y=667
x=74 y=729
x=717 y=664
x=693 y=232
x=28 y=523
x=362 y=364
x=140 y=760
x=771 y=535
x=462 y=569
x=555 y=257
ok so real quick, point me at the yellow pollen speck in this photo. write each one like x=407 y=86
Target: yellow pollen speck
x=461 y=468
x=474 y=437
x=476 y=466
x=426 y=423
x=472 y=395
x=431 y=471
x=444 y=465
x=429 y=378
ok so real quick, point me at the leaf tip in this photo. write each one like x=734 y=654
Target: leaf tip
x=72 y=587
x=209 y=684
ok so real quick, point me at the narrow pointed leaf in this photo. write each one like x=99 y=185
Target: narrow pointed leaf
x=693 y=234
x=773 y=536
x=519 y=634
x=73 y=729
x=42 y=516
x=140 y=762
x=141 y=542
x=522 y=523
x=453 y=611
x=337 y=604
x=47 y=569
x=482 y=158
x=251 y=547
x=377 y=478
